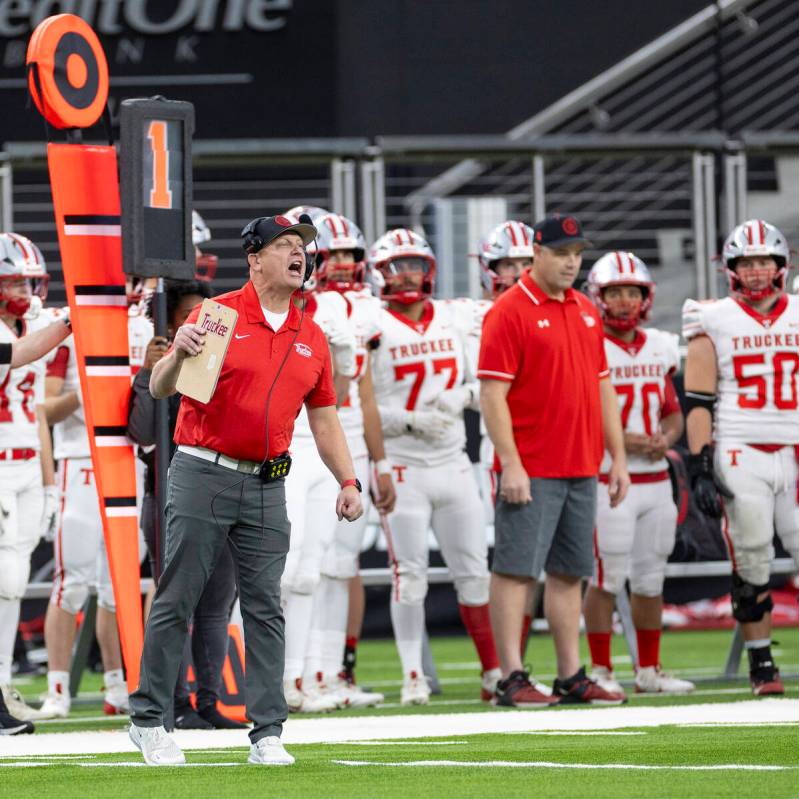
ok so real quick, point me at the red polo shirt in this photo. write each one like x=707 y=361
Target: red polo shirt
x=234 y=421
x=552 y=353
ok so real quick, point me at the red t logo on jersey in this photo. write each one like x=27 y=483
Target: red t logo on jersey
x=399 y=471
x=87 y=476
x=734 y=453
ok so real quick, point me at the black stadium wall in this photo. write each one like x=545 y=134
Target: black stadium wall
x=299 y=68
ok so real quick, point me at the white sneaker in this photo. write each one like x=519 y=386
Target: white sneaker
x=269 y=751
x=55 y=706
x=292 y=690
x=156 y=746
x=488 y=684
x=415 y=690
x=651 y=680
x=316 y=700
x=17 y=706
x=351 y=695
x=116 y=701
x=605 y=679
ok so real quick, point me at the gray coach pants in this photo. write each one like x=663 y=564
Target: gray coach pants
x=207 y=505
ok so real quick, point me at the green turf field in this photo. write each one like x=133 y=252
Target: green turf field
x=652 y=761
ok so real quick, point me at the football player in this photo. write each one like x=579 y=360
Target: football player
x=423 y=381
x=743 y=425
x=28 y=495
x=80 y=553
x=634 y=539
x=340 y=267
x=310 y=494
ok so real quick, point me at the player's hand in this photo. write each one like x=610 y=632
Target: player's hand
x=49 y=522
x=384 y=496
x=514 y=485
x=637 y=444
x=189 y=340
x=708 y=489
x=618 y=483
x=348 y=504
x=432 y=425
x=454 y=400
x=156 y=349
x=658 y=446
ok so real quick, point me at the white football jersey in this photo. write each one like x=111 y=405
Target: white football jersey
x=329 y=310
x=413 y=364
x=21 y=390
x=70 y=439
x=638 y=372
x=363 y=310
x=758 y=361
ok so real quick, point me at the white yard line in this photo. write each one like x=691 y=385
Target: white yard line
x=365 y=728
x=547 y=764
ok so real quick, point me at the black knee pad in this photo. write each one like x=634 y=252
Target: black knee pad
x=745 y=605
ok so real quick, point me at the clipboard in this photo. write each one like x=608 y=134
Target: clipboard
x=200 y=373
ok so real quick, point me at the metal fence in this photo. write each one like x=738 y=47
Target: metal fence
x=667 y=197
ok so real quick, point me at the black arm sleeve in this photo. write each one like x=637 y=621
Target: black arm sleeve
x=6 y=351
x=141 y=414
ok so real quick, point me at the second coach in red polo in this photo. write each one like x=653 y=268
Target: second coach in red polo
x=548 y=404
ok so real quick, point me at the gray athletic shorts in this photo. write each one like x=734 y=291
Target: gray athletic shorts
x=553 y=533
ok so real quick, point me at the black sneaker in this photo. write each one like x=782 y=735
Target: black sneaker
x=187 y=718
x=218 y=721
x=518 y=691
x=581 y=690
x=10 y=725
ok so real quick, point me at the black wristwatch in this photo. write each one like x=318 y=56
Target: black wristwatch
x=353 y=482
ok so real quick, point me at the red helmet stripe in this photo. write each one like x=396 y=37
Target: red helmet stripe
x=512 y=234
x=619 y=263
x=762 y=231
x=748 y=230
x=343 y=225
x=22 y=246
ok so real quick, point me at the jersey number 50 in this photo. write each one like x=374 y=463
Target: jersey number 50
x=783 y=365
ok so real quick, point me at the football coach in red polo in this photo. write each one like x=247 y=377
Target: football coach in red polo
x=550 y=410
x=226 y=483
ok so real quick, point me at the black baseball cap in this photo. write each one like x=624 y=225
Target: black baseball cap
x=264 y=230
x=559 y=230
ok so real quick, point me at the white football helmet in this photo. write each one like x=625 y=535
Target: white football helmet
x=754 y=238
x=314 y=211
x=621 y=269
x=205 y=263
x=510 y=239
x=21 y=258
x=336 y=232
x=398 y=245
x=200 y=232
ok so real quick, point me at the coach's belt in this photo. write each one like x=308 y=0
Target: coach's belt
x=248 y=467
x=17 y=454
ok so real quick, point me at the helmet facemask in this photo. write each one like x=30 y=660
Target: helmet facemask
x=340 y=275
x=396 y=285
x=764 y=280
x=13 y=301
x=637 y=310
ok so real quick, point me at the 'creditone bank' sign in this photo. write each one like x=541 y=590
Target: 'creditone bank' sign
x=153 y=18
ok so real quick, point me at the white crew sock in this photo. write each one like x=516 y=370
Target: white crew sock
x=113 y=679
x=9 y=621
x=298 y=612
x=333 y=624
x=58 y=683
x=408 y=624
